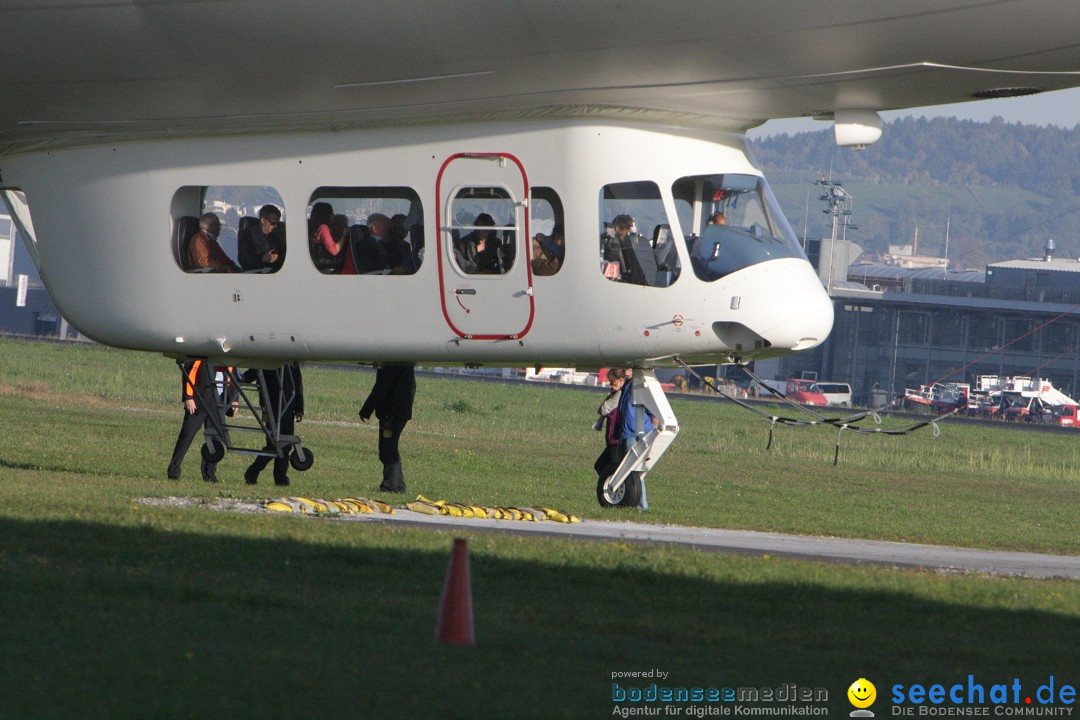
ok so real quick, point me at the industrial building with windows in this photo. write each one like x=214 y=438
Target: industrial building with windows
x=897 y=328
x=25 y=306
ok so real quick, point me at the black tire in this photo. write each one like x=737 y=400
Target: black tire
x=301 y=458
x=213 y=451
x=629 y=495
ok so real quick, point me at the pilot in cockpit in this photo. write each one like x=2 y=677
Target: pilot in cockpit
x=717 y=218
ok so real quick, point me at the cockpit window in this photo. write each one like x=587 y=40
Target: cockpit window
x=736 y=223
x=636 y=243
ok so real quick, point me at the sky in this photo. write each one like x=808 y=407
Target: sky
x=1061 y=108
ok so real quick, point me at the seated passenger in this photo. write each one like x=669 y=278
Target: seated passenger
x=263 y=245
x=339 y=227
x=548 y=251
x=478 y=252
x=416 y=244
x=717 y=218
x=377 y=250
x=620 y=248
x=402 y=262
x=327 y=252
x=340 y=231
x=369 y=245
x=203 y=249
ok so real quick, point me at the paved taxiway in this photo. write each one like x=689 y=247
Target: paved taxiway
x=895 y=554
x=938 y=557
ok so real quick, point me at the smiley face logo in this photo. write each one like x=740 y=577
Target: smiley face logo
x=862 y=693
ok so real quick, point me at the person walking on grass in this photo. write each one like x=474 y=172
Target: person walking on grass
x=391 y=399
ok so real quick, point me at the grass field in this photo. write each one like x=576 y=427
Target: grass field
x=112 y=608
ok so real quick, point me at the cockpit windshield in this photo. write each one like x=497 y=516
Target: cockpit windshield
x=735 y=222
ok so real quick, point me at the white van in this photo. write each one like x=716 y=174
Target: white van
x=836 y=393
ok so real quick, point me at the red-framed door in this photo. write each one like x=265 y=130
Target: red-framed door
x=482 y=236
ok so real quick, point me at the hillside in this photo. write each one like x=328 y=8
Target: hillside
x=1002 y=189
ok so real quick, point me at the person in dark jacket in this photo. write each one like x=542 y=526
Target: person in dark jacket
x=479 y=251
x=391 y=399
x=197 y=388
x=262 y=245
x=608 y=421
x=381 y=248
x=292 y=412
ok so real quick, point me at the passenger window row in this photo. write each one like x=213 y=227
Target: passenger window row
x=731 y=220
x=361 y=231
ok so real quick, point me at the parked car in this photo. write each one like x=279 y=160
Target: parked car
x=836 y=393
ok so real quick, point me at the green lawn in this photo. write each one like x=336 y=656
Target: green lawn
x=112 y=608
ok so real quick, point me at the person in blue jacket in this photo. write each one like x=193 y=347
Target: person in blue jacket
x=626 y=429
x=628 y=417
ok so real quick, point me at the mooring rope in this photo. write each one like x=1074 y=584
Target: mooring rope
x=842 y=424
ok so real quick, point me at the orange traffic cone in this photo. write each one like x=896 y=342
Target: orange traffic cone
x=455 y=609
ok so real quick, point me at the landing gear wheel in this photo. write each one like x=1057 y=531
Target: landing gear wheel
x=213 y=451
x=301 y=458
x=629 y=495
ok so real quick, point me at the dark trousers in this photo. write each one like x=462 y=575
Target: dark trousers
x=188 y=430
x=389 y=434
x=606 y=458
x=614 y=455
x=281 y=464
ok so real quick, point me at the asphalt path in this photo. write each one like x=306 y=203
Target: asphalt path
x=942 y=558
x=894 y=554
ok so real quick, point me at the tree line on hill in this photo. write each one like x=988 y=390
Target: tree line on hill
x=997 y=190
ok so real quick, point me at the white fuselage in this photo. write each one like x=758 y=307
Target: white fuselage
x=104 y=218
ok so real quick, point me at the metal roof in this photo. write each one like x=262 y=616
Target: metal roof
x=1055 y=265
x=994 y=304
x=870 y=272
x=850 y=285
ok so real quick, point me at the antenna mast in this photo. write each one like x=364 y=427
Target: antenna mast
x=839 y=208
